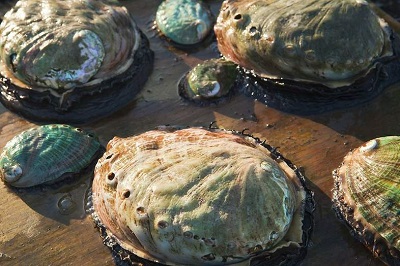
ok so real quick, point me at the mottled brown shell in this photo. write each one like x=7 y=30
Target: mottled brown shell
x=320 y=41
x=196 y=196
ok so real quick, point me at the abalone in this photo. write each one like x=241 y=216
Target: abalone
x=209 y=82
x=366 y=196
x=47 y=155
x=308 y=56
x=200 y=196
x=184 y=23
x=71 y=61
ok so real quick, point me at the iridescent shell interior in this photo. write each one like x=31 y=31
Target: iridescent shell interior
x=197 y=197
x=367 y=196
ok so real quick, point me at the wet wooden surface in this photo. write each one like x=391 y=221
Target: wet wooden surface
x=33 y=230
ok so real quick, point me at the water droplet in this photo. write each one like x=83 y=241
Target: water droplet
x=66 y=205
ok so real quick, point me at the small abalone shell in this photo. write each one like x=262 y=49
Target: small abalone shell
x=47 y=154
x=367 y=196
x=185 y=22
x=308 y=56
x=71 y=61
x=209 y=81
x=200 y=197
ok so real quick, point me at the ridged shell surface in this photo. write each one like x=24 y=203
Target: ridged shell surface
x=368 y=194
x=46 y=154
x=185 y=22
x=196 y=197
x=66 y=44
x=321 y=41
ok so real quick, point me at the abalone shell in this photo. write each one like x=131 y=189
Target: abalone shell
x=366 y=196
x=184 y=22
x=209 y=82
x=308 y=57
x=200 y=196
x=71 y=61
x=48 y=154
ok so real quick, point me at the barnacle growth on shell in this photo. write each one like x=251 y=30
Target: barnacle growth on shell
x=48 y=154
x=200 y=196
x=366 y=196
x=71 y=61
x=308 y=56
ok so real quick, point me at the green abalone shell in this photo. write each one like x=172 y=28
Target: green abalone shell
x=185 y=22
x=47 y=154
x=209 y=81
x=367 y=196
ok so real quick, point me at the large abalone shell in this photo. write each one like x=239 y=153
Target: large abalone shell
x=367 y=196
x=308 y=56
x=201 y=197
x=48 y=154
x=71 y=61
